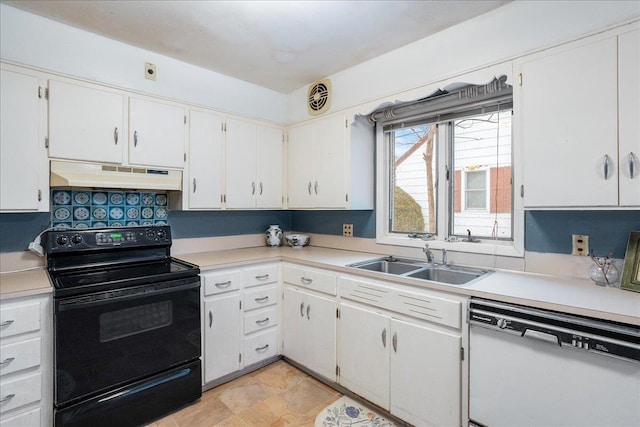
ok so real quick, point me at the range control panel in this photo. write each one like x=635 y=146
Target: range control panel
x=58 y=241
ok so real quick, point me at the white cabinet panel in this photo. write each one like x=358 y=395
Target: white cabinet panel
x=24 y=172
x=222 y=335
x=300 y=167
x=21 y=391
x=204 y=184
x=364 y=343
x=330 y=169
x=260 y=346
x=269 y=167
x=19 y=318
x=156 y=133
x=86 y=123
x=20 y=355
x=425 y=375
x=629 y=113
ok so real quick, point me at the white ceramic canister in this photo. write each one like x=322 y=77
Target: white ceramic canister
x=273 y=235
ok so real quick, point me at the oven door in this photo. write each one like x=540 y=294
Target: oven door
x=108 y=339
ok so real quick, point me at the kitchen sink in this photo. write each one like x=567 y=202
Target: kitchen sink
x=441 y=273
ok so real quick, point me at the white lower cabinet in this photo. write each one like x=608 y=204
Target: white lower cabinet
x=221 y=323
x=26 y=365
x=410 y=367
x=309 y=331
x=239 y=318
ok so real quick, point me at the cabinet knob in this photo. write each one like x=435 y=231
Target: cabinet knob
x=301 y=309
x=384 y=337
x=135 y=138
x=394 y=342
x=308 y=310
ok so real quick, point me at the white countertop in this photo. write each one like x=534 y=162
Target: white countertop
x=569 y=295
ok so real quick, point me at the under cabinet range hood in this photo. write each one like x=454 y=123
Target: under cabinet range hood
x=71 y=174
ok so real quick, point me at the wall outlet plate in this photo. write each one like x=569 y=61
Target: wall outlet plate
x=580 y=244
x=149 y=71
x=347 y=230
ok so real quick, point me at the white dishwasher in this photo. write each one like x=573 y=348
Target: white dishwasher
x=531 y=367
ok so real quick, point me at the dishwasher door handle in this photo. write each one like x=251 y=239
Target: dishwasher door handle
x=541 y=335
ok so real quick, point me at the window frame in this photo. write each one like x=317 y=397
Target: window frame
x=444 y=192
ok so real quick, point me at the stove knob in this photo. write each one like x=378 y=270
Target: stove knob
x=149 y=234
x=77 y=239
x=502 y=323
x=161 y=234
x=62 y=240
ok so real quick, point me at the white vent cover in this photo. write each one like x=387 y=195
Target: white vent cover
x=319 y=97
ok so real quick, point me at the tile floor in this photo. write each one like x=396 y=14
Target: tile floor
x=276 y=395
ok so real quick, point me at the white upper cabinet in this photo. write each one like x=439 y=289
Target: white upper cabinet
x=330 y=164
x=254 y=165
x=24 y=172
x=156 y=133
x=204 y=182
x=576 y=145
x=86 y=122
x=629 y=117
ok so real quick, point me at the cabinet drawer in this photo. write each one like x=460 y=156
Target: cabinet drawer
x=26 y=419
x=421 y=305
x=260 y=319
x=260 y=346
x=221 y=281
x=18 y=319
x=310 y=278
x=20 y=392
x=260 y=297
x=260 y=275
x=18 y=356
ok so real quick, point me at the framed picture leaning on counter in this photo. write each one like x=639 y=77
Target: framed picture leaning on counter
x=631 y=270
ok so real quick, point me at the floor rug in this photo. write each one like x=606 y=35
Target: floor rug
x=346 y=412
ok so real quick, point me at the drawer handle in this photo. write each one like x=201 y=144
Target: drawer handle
x=223 y=284
x=262 y=322
x=7 y=398
x=262 y=277
x=6 y=323
x=261 y=299
x=263 y=348
x=7 y=361
x=305 y=280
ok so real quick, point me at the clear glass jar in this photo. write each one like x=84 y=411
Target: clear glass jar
x=604 y=272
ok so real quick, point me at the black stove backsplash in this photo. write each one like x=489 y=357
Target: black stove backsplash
x=79 y=208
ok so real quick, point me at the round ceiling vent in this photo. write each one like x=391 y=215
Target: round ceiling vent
x=319 y=97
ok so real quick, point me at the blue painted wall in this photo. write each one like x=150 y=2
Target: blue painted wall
x=545 y=231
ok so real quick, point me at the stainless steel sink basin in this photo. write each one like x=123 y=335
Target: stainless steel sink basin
x=451 y=275
x=387 y=266
x=446 y=275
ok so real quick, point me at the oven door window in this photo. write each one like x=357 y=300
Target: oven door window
x=108 y=339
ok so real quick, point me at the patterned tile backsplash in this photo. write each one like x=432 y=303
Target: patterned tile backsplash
x=102 y=208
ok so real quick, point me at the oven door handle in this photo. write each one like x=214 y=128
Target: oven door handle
x=92 y=300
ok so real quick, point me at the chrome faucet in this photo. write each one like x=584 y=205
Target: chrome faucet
x=428 y=252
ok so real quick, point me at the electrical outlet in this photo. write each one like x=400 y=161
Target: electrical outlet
x=580 y=245
x=347 y=230
x=149 y=71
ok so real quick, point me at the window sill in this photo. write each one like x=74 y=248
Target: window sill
x=485 y=247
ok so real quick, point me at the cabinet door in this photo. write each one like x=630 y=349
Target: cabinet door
x=300 y=167
x=629 y=100
x=425 y=375
x=156 y=134
x=85 y=123
x=320 y=315
x=205 y=160
x=20 y=142
x=241 y=164
x=363 y=353
x=269 y=166
x=569 y=113
x=221 y=335
x=293 y=332
x=329 y=156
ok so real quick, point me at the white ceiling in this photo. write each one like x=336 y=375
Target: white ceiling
x=281 y=45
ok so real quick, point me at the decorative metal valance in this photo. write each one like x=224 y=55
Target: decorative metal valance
x=443 y=102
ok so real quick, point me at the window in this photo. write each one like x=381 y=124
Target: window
x=448 y=169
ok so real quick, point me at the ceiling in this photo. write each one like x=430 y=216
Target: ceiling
x=281 y=45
